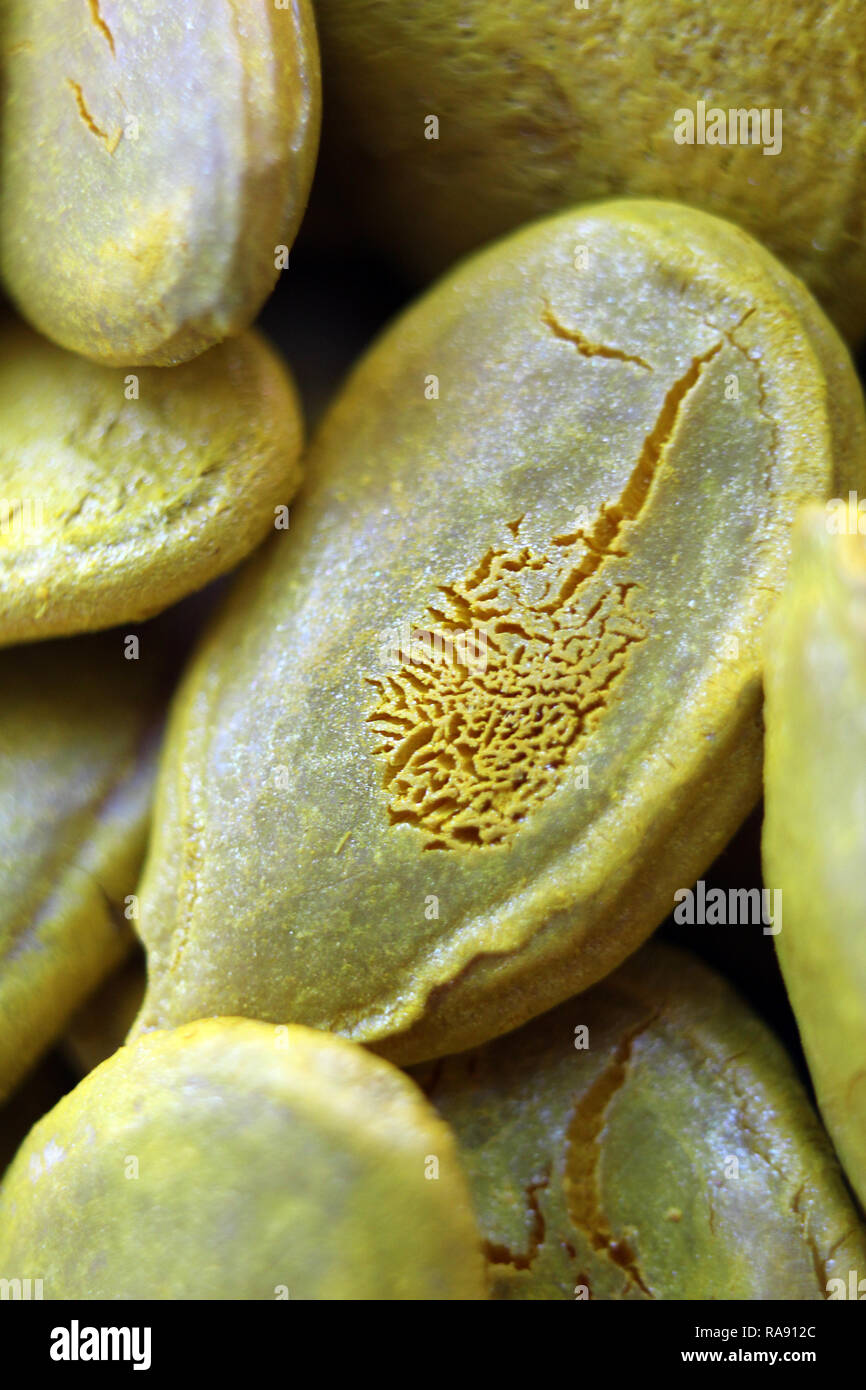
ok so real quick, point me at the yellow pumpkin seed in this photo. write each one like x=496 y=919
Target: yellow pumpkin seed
x=461 y=734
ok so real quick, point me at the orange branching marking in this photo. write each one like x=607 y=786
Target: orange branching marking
x=493 y=696
x=583 y=1154
x=498 y=1254
x=471 y=746
x=585 y=347
x=100 y=23
x=110 y=141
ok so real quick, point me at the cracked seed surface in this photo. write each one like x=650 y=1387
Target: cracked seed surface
x=152 y=159
x=470 y=752
x=675 y=1155
x=420 y=853
x=119 y=493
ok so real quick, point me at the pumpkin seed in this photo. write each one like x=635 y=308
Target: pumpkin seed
x=447 y=127
x=265 y=1163
x=815 y=819
x=649 y=1139
x=79 y=729
x=458 y=738
x=120 y=494
x=155 y=163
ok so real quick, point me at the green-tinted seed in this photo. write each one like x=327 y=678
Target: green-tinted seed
x=122 y=492
x=648 y=1139
x=232 y=1160
x=461 y=734
x=155 y=162
x=815 y=826
x=79 y=728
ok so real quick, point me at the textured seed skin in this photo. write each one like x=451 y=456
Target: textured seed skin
x=422 y=857
x=543 y=106
x=266 y=1158
x=814 y=842
x=153 y=158
x=131 y=496
x=79 y=731
x=667 y=1152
